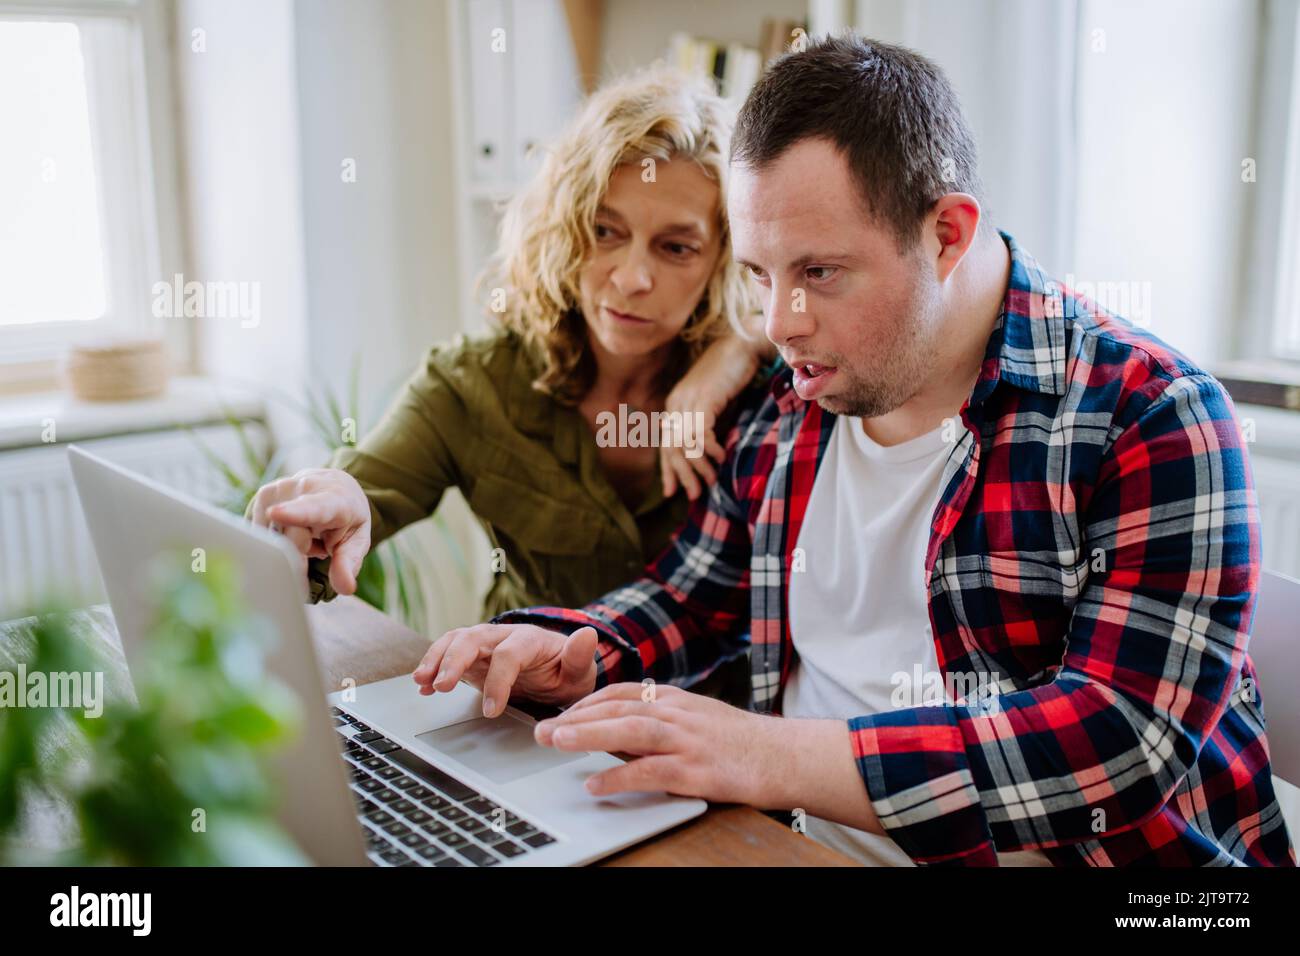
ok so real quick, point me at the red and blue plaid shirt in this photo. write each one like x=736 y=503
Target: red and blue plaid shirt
x=1094 y=557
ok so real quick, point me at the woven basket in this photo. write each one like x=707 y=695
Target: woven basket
x=117 y=371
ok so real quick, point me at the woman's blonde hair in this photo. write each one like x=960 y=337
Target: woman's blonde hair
x=548 y=227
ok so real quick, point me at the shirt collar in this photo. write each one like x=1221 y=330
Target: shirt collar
x=1027 y=348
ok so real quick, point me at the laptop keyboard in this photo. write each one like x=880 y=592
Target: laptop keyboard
x=414 y=814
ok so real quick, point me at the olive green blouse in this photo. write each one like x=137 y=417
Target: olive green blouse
x=469 y=418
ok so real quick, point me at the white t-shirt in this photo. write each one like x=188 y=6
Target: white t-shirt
x=859 y=617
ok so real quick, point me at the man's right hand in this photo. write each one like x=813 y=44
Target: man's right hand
x=512 y=660
x=324 y=512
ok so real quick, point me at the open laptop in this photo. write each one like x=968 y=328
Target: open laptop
x=388 y=776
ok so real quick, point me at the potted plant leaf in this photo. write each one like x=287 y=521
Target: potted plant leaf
x=170 y=775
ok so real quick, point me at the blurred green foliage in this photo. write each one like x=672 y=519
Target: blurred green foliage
x=326 y=418
x=391 y=574
x=173 y=779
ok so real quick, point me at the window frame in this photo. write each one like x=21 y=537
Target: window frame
x=1284 y=340
x=137 y=188
x=1270 y=257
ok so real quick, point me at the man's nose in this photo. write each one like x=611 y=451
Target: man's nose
x=786 y=315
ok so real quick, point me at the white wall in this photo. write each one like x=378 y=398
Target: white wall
x=284 y=93
x=373 y=82
x=238 y=126
x=374 y=85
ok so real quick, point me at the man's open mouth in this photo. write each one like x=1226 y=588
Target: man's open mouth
x=812 y=379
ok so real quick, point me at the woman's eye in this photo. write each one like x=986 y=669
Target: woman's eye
x=679 y=249
x=756 y=273
x=603 y=231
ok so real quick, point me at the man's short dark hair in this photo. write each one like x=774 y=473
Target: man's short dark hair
x=891 y=111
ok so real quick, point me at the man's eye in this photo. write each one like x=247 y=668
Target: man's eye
x=819 y=273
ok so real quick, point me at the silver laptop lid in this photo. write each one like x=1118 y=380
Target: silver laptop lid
x=132 y=521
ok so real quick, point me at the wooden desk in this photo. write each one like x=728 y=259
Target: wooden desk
x=355 y=640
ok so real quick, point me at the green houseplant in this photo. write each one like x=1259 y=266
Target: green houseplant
x=174 y=777
x=391 y=575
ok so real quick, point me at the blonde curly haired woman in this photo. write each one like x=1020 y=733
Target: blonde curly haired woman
x=620 y=297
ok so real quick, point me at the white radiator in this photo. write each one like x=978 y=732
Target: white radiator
x=1278 y=482
x=45 y=548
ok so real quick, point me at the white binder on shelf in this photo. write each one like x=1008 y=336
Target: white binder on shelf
x=492 y=45
x=546 y=85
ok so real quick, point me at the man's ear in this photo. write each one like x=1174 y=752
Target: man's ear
x=953 y=223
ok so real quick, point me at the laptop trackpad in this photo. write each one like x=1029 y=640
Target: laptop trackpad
x=500 y=748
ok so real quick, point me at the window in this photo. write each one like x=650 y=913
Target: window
x=52 y=248
x=79 y=223
x=1286 y=330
